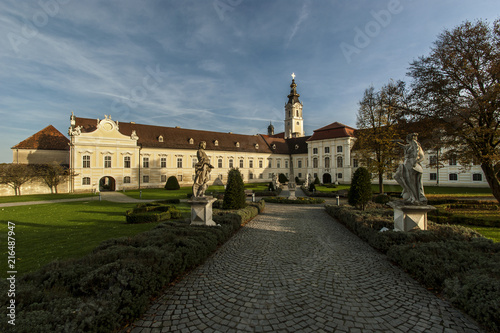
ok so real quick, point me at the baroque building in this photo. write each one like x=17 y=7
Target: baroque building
x=105 y=154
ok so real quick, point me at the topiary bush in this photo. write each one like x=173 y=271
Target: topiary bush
x=361 y=189
x=282 y=178
x=234 y=196
x=172 y=183
x=316 y=180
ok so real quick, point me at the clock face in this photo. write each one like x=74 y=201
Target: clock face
x=107 y=126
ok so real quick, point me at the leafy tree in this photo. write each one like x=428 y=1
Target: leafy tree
x=15 y=175
x=234 y=196
x=172 y=183
x=52 y=174
x=361 y=189
x=377 y=121
x=458 y=87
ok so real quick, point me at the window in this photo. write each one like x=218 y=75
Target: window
x=219 y=163
x=145 y=162
x=339 y=176
x=286 y=164
x=160 y=138
x=269 y=163
x=452 y=160
x=145 y=179
x=86 y=161
x=126 y=162
x=107 y=161
x=270 y=176
x=163 y=162
x=179 y=162
x=355 y=163
x=339 y=149
x=86 y=181
x=315 y=151
x=250 y=164
x=433 y=176
x=327 y=150
x=260 y=163
x=278 y=164
x=300 y=175
x=261 y=176
x=327 y=162
x=453 y=176
x=241 y=163
x=315 y=162
x=250 y=175
x=194 y=160
x=163 y=178
x=179 y=178
x=477 y=177
x=126 y=180
x=340 y=162
x=299 y=164
x=433 y=160
x=231 y=163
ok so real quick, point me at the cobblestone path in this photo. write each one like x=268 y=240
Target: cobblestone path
x=295 y=269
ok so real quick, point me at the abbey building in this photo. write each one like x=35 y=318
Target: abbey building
x=105 y=154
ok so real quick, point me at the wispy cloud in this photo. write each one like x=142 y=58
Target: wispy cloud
x=303 y=15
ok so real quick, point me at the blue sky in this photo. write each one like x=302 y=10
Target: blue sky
x=221 y=65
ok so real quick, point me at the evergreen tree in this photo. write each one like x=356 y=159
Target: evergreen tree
x=361 y=189
x=234 y=196
x=172 y=183
x=282 y=178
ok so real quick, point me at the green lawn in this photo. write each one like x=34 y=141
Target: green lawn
x=47 y=232
x=488 y=232
x=39 y=197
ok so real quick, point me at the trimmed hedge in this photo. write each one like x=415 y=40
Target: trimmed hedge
x=172 y=184
x=332 y=194
x=299 y=200
x=453 y=260
x=114 y=284
x=152 y=212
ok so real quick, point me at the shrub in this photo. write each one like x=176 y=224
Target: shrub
x=282 y=178
x=270 y=187
x=113 y=285
x=152 y=212
x=234 y=196
x=312 y=187
x=382 y=199
x=361 y=191
x=316 y=180
x=172 y=183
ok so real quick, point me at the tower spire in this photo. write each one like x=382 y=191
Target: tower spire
x=294 y=123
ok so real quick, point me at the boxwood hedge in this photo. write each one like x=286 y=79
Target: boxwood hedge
x=114 y=284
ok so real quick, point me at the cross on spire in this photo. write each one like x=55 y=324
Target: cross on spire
x=293 y=76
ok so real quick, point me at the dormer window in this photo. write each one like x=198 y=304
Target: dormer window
x=160 y=138
x=237 y=144
x=216 y=143
x=256 y=146
x=296 y=147
x=273 y=146
x=191 y=141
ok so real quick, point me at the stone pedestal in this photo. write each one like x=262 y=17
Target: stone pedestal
x=291 y=188
x=201 y=211
x=407 y=216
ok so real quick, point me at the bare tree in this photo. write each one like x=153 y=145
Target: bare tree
x=458 y=87
x=52 y=174
x=15 y=175
x=377 y=123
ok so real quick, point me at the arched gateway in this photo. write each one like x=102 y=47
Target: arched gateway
x=107 y=183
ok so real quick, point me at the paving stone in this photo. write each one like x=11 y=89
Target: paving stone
x=295 y=269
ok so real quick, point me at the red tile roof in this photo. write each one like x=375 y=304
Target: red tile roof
x=48 y=138
x=332 y=131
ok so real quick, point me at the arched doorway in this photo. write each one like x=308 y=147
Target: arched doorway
x=327 y=178
x=107 y=184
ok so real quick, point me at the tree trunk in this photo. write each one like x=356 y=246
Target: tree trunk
x=492 y=178
x=381 y=183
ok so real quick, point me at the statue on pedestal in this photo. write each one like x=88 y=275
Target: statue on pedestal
x=409 y=174
x=203 y=168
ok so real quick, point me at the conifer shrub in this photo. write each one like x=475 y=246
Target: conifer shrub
x=316 y=180
x=282 y=178
x=270 y=187
x=234 y=196
x=172 y=183
x=360 y=192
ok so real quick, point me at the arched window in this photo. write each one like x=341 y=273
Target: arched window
x=340 y=162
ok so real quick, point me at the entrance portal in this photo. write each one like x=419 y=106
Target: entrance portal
x=107 y=184
x=327 y=178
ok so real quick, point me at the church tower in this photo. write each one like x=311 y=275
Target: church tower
x=294 y=123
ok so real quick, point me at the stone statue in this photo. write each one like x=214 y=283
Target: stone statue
x=203 y=168
x=409 y=174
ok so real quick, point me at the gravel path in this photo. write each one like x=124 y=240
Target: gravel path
x=295 y=269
